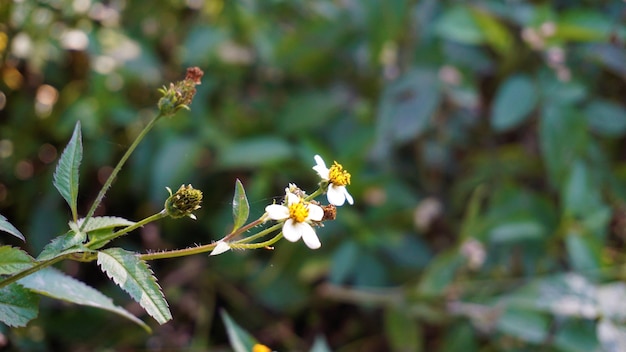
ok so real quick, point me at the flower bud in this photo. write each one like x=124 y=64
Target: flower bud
x=183 y=202
x=180 y=94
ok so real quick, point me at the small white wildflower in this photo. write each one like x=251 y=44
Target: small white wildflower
x=337 y=179
x=298 y=215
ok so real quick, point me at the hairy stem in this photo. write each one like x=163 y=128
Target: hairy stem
x=95 y=242
x=117 y=169
x=11 y=279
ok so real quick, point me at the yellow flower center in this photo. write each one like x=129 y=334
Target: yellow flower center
x=260 y=348
x=338 y=176
x=298 y=211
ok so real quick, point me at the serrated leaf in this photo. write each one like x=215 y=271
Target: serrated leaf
x=6 y=226
x=66 y=173
x=240 y=340
x=102 y=222
x=68 y=243
x=134 y=276
x=13 y=260
x=241 y=207
x=18 y=305
x=55 y=284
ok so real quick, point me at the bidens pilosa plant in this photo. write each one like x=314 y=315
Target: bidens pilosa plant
x=23 y=277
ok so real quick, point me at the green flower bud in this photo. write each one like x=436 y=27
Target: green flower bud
x=180 y=94
x=183 y=202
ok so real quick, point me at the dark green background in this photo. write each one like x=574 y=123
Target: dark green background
x=485 y=141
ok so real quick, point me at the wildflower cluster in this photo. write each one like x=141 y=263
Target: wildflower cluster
x=180 y=94
x=299 y=214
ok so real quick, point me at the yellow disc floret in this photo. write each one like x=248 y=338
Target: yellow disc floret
x=298 y=211
x=338 y=176
x=260 y=348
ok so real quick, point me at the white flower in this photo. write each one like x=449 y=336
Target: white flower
x=337 y=179
x=298 y=215
x=220 y=248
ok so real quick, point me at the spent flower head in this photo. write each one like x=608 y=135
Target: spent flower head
x=336 y=178
x=298 y=215
x=183 y=202
x=180 y=94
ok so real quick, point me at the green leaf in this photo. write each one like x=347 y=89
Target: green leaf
x=240 y=340
x=102 y=222
x=495 y=33
x=516 y=231
x=55 y=284
x=67 y=243
x=241 y=208
x=606 y=118
x=402 y=331
x=576 y=335
x=134 y=276
x=13 y=260
x=458 y=24
x=440 y=273
x=18 y=305
x=66 y=173
x=524 y=324
x=585 y=252
x=254 y=152
x=514 y=101
x=6 y=226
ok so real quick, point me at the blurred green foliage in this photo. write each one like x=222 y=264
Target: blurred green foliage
x=485 y=141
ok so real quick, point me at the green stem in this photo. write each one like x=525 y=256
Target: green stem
x=117 y=169
x=238 y=245
x=209 y=247
x=317 y=192
x=245 y=228
x=39 y=266
x=160 y=215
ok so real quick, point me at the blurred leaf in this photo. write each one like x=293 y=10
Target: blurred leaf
x=173 y=164
x=343 y=262
x=134 y=276
x=402 y=331
x=577 y=336
x=611 y=335
x=440 y=273
x=6 y=226
x=570 y=295
x=240 y=340
x=320 y=345
x=458 y=24
x=580 y=194
x=512 y=231
x=254 y=152
x=563 y=137
x=241 y=208
x=583 y=25
x=66 y=173
x=514 y=101
x=55 y=284
x=18 y=305
x=406 y=109
x=610 y=55
x=606 y=118
x=495 y=33
x=13 y=260
x=584 y=252
x=524 y=324
x=307 y=111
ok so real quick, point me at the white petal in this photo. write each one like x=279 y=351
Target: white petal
x=277 y=212
x=220 y=248
x=308 y=236
x=348 y=196
x=316 y=213
x=292 y=198
x=291 y=231
x=321 y=168
x=336 y=195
